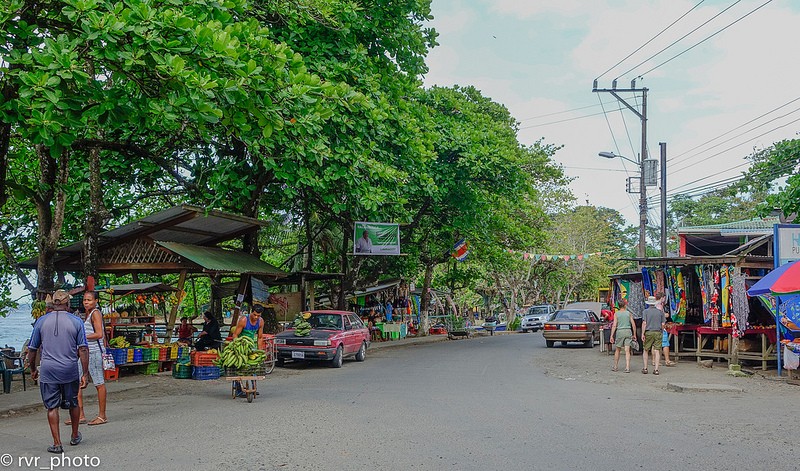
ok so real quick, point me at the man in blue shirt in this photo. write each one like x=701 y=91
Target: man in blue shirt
x=59 y=339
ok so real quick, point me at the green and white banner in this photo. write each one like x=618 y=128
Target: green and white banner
x=376 y=238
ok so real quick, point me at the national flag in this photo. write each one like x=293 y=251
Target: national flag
x=461 y=250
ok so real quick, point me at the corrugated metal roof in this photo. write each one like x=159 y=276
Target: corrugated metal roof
x=750 y=226
x=221 y=260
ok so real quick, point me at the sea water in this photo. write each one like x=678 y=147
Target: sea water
x=16 y=328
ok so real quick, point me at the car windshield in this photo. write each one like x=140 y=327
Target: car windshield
x=325 y=321
x=538 y=311
x=571 y=316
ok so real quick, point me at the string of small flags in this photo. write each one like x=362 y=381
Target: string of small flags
x=545 y=257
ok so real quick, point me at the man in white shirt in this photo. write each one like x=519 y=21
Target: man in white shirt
x=364 y=244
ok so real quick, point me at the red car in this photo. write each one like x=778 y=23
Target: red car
x=334 y=336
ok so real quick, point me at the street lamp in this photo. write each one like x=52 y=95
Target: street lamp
x=640 y=250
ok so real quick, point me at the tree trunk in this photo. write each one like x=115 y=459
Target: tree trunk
x=50 y=204
x=98 y=215
x=424 y=323
x=346 y=229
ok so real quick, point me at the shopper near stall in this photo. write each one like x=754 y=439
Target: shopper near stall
x=59 y=338
x=389 y=308
x=660 y=304
x=652 y=327
x=623 y=331
x=185 y=331
x=210 y=337
x=95 y=337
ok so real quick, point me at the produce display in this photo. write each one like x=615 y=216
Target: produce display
x=242 y=352
x=119 y=342
x=301 y=326
x=39 y=308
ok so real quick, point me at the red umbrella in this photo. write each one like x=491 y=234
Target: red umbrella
x=782 y=280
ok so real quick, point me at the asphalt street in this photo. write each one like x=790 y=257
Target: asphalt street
x=502 y=402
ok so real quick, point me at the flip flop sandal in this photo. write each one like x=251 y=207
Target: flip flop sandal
x=69 y=421
x=614 y=369
x=76 y=440
x=644 y=371
x=672 y=363
x=627 y=370
x=98 y=421
x=655 y=372
x=55 y=449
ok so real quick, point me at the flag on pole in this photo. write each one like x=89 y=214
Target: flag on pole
x=461 y=250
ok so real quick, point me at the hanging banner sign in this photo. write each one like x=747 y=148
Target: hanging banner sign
x=787 y=243
x=376 y=238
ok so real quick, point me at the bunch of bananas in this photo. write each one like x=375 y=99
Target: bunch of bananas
x=240 y=353
x=301 y=327
x=39 y=309
x=119 y=342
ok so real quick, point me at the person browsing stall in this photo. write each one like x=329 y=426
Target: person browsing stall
x=185 y=331
x=59 y=339
x=652 y=327
x=623 y=330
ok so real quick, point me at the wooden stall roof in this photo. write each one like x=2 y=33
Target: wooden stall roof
x=132 y=243
x=216 y=260
x=742 y=261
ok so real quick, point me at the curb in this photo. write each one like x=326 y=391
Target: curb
x=695 y=387
x=32 y=402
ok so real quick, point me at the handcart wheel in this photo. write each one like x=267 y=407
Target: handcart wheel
x=233 y=389
x=270 y=366
x=250 y=396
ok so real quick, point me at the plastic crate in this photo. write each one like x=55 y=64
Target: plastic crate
x=205 y=372
x=111 y=375
x=173 y=353
x=120 y=355
x=182 y=372
x=130 y=355
x=148 y=369
x=204 y=359
x=137 y=355
x=163 y=354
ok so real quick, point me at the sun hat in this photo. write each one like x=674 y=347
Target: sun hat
x=651 y=300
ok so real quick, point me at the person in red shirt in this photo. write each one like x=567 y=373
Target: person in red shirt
x=185 y=331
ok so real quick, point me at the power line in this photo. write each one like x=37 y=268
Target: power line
x=734 y=146
x=707 y=38
x=616 y=146
x=734 y=129
x=648 y=42
x=678 y=40
x=563 y=112
x=564 y=120
x=597 y=169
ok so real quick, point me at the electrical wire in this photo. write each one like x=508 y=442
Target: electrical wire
x=707 y=38
x=616 y=145
x=678 y=40
x=564 y=120
x=597 y=169
x=732 y=147
x=732 y=130
x=649 y=41
x=736 y=136
x=563 y=112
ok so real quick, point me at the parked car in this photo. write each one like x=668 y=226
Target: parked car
x=334 y=336
x=536 y=317
x=572 y=325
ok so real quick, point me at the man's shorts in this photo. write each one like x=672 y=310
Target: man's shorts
x=64 y=395
x=95 y=368
x=652 y=339
x=623 y=338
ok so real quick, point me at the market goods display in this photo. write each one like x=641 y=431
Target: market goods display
x=301 y=326
x=241 y=358
x=39 y=309
x=119 y=342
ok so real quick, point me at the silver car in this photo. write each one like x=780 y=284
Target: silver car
x=536 y=317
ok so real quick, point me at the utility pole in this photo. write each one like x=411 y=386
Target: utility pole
x=663 y=146
x=614 y=91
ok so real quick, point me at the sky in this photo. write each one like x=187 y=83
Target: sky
x=540 y=57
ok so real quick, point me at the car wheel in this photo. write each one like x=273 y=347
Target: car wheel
x=362 y=352
x=563 y=344
x=589 y=343
x=535 y=330
x=550 y=343
x=524 y=331
x=280 y=362
x=337 y=358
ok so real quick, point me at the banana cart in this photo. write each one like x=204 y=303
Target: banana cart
x=247 y=378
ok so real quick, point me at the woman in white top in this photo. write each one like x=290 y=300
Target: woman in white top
x=95 y=337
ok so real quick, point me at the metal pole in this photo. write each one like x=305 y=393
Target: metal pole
x=663 y=146
x=641 y=250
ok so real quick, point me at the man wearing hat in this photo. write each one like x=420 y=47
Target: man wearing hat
x=59 y=339
x=652 y=325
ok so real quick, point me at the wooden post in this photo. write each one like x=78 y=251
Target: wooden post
x=243 y=281
x=173 y=313
x=311 y=296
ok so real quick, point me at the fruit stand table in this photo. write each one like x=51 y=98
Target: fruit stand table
x=768 y=338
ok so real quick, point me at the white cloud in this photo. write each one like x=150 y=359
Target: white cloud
x=529 y=8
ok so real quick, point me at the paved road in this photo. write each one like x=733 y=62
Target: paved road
x=502 y=402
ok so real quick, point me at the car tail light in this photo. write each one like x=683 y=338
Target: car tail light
x=579 y=327
x=550 y=327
